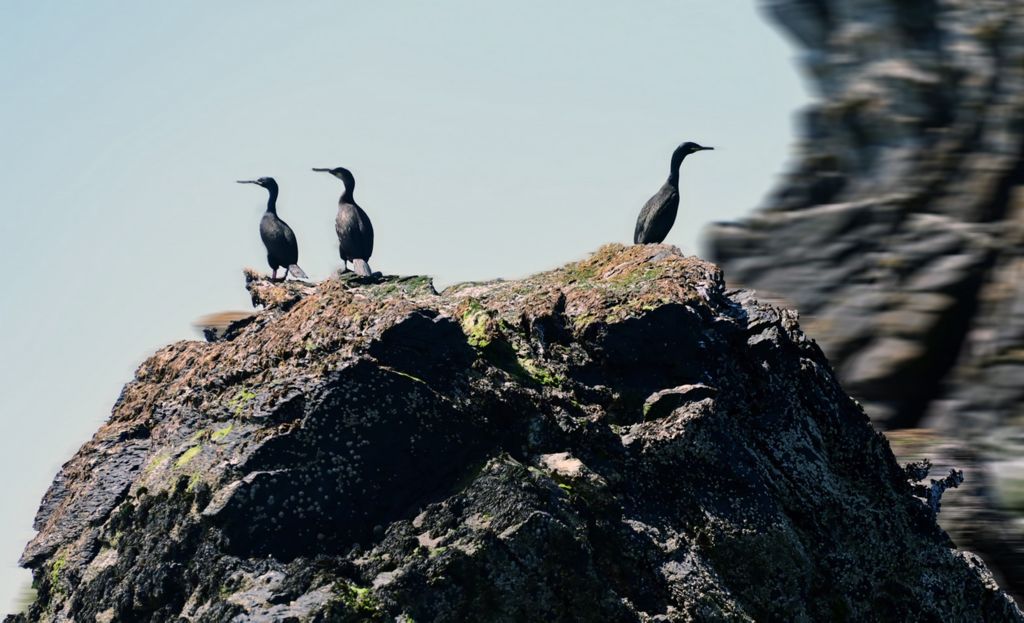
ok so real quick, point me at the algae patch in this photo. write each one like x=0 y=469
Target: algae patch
x=193 y=482
x=242 y=398
x=476 y=324
x=187 y=456
x=221 y=433
x=156 y=462
x=358 y=599
x=541 y=375
x=58 y=566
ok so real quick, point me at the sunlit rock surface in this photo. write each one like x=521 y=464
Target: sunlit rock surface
x=621 y=439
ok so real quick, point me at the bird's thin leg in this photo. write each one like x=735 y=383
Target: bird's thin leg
x=273 y=275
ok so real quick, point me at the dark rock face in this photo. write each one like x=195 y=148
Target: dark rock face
x=622 y=439
x=898 y=234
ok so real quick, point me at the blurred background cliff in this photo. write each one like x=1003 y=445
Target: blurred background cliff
x=898 y=235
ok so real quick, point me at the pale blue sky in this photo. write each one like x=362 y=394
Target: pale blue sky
x=487 y=140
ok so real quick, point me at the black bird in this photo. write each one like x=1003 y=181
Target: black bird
x=659 y=213
x=355 y=233
x=282 y=248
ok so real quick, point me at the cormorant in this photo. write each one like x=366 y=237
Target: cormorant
x=659 y=213
x=355 y=233
x=278 y=238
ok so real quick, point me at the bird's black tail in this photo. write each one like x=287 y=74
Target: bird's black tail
x=297 y=272
x=362 y=268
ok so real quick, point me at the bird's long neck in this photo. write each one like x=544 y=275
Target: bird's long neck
x=272 y=201
x=346 y=197
x=673 y=174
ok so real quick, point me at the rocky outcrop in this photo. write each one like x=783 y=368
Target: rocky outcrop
x=621 y=439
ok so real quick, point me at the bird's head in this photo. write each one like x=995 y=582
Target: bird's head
x=342 y=174
x=683 y=151
x=690 y=147
x=265 y=182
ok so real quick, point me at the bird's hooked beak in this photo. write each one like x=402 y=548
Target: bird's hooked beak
x=321 y=170
x=248 y=182
x=703 y=148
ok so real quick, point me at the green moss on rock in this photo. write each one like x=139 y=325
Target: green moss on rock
x=187 y=456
